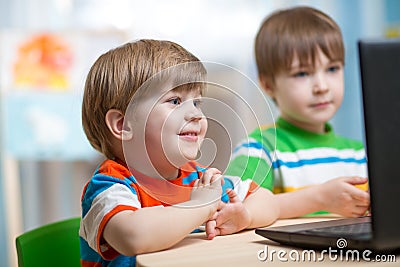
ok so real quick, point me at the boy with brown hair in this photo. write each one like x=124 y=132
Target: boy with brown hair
x=141 y=109
x=300 y=59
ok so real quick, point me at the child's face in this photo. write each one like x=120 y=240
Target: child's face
x=174 y=129
x=309 y=97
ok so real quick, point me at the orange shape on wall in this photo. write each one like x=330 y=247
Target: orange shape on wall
x=43 y=61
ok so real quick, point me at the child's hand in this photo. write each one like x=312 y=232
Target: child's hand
x=208 y=189
x=230 y=218
x=341 y=196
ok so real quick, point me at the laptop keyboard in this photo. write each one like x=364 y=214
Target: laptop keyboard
x=349 y=230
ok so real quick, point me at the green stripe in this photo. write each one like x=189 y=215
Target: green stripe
x=292 y=138
x=256 y=169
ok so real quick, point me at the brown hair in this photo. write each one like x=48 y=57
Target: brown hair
x=297 y=31
x=115 y=77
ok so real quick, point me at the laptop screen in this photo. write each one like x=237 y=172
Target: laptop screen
x=380 y=79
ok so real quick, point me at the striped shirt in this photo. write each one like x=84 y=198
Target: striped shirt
x=286 y=158
x=113 y=189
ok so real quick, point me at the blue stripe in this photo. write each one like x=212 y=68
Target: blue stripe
x=87 y=253
x=300 y=163
x=131 y=179
x=228 y=184
x=98 y=184
x=251 y=144
x=201 y=169
x=188 y=179
x=194 y=175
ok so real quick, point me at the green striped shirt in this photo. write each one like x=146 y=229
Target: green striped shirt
x=287 y=158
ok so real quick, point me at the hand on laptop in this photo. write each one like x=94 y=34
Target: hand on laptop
x=341 y=196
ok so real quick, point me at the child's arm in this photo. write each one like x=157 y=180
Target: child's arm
x=257 y=210
x=156 y=228
x=338 y=196
x=263 y=208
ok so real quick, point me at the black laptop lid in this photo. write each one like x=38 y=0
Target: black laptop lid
x=380 y=77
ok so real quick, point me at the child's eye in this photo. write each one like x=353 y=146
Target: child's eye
x=334 y=68
x=301 y=74
x=175 y=101
x=197 y=103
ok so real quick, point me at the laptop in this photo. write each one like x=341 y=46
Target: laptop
x=380 y=80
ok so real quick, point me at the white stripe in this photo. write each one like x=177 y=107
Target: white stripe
x=250 y=152
x=320 y=173
x=240 y=187
x=103 y=203
x=320 y=153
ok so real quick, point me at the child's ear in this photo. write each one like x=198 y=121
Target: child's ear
x=115 y=123
x=267 y=86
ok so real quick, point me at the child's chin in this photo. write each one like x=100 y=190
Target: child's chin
x=190 y=157
x=182 y=160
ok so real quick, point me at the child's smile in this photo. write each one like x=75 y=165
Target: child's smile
x=189 y=135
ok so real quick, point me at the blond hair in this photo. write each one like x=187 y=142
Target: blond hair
x=115 y=77
x=297 y=31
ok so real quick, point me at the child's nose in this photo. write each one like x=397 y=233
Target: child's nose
x=320 y=85
x=192 y=113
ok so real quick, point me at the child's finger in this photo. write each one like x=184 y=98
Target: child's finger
x=359 y=195
x=356 y=180
x=216 y=177
x=211 y=230
x=213 y=171
x=359 y=211
x=222 y=180
x=221 y=205
x=208 y=176
x=205 y=180
x=233 y=197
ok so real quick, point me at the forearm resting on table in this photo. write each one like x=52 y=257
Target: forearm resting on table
x=299 y=203
x=154 y=228
x=339 y=195
x=263 y=208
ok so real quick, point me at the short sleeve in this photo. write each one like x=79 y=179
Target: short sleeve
x=250 y=160
x=104 y=197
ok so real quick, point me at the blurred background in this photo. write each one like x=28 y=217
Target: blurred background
x=48 y=46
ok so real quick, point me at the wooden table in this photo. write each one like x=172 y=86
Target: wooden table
x=240 y=249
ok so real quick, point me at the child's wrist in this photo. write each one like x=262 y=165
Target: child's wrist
x=247 y=216
x=320 y=196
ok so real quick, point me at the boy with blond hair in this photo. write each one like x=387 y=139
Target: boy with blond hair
x=141 y=109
